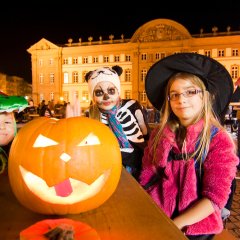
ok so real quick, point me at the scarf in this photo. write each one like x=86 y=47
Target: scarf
x=116 y=127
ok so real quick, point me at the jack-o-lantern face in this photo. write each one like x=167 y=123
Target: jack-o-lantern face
x=64 y=166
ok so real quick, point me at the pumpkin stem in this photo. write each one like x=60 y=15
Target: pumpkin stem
x=60 y=232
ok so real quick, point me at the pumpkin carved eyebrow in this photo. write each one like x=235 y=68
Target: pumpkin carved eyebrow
x=91 y=139
x=43 y=141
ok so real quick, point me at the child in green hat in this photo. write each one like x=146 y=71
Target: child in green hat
x=8 y=126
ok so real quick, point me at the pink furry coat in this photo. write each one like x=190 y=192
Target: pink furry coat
x=178 y=186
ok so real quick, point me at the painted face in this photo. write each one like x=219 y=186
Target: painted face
x=105 y=95
x=186 y=101
x=7 y=128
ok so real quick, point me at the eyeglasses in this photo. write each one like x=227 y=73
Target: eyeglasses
x=186 y=94
x=100 y=92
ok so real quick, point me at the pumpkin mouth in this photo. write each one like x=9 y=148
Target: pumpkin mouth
x=80 y=190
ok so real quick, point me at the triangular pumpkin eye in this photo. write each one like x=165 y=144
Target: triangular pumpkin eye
x=91 y=139
x=42 y=141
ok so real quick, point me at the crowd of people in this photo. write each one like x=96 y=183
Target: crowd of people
x=188 y=162
x=47 y=109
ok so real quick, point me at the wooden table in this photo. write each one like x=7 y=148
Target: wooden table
x=57 y=115
x=33 y=115
x=129 y=214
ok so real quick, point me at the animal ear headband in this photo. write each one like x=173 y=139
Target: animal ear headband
x=104 y=74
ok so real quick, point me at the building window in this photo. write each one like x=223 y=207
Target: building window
x=51 y=78
x=234 y=71
x=207 y=53
x=127 y=58
x=157 y=56
x=143 y=97
x=83 y=75
x=65 y=61
x=95 y=59
x=221 y=53
x=75 y=95
x=150 y=57
x=40 y=62
x=51 y=61
x=163 y=55
x=41 y=78
x=65 y=78
x=41 y=97
x=127 y=94
x=66 y=96
x=144 y=56
x=127 y=75
x=235 y=52
x=105 y=59
x=85 y=96
x=51 y=95
x=117 y=58
x=143 y=75
x=85 y=60
x=75 y=77
x=75 y=60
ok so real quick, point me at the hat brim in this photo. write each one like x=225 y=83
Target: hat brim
x=214 y=75
x=12 y=103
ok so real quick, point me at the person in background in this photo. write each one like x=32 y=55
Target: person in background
x=44 y=110
x=124 y=116
x=190 y=161
x=47 y=110
x=31 y=109
x=8 y=126
x=51 y=106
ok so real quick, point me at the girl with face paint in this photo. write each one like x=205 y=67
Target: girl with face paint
x=124 y=116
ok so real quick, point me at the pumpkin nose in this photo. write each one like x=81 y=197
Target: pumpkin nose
x=65 y=157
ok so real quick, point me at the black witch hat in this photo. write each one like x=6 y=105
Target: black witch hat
x=214 y=75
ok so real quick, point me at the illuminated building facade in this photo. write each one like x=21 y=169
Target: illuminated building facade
x=13 y=85
x=58 y=70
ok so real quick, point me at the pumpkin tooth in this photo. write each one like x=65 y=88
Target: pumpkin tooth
x=63 y=189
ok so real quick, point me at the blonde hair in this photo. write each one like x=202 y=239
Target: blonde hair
x=207 y=114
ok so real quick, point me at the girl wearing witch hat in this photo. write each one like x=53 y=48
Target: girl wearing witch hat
x=190 y=161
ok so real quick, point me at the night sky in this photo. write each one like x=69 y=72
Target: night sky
x=21 y=27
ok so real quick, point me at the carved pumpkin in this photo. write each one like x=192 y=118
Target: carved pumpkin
x=64 y=166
